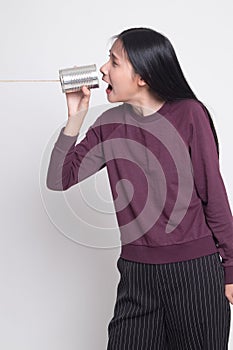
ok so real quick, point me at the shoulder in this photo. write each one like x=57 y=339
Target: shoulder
x=108 y=120
x=113 y=114
x=191 y=119
x=106 y=116
x=191 y=111
x=188 y=105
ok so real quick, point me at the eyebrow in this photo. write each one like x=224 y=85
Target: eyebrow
x=114 y=56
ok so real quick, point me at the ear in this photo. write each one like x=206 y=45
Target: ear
x=141 y=82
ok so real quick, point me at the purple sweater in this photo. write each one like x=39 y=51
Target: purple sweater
x=170 y=199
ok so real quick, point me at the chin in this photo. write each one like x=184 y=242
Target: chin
x=112 y=99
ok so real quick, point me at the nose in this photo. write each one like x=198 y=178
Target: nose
x=103 y=69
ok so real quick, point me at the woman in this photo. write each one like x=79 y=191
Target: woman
x=174 y=290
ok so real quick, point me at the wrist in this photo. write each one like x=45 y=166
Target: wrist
x=73 y=126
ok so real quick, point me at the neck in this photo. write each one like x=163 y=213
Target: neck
x=147 y=104
x=145 y=111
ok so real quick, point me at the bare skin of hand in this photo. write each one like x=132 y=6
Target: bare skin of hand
x=229 y=292
x=78 y=102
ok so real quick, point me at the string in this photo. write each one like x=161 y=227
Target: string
x=27 y=81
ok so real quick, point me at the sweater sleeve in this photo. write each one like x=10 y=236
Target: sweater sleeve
x=210 y=186
x=71 y=163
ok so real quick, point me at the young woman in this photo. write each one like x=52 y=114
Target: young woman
x=161 y=151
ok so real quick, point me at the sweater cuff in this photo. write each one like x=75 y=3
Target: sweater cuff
x=228 y=275
x=64 y=142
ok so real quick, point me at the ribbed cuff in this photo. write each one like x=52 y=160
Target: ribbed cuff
x=64 y=142
x=228 y=274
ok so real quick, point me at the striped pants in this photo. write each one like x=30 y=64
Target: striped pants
x=173 y=306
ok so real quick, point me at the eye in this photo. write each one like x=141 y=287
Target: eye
x=113 y=63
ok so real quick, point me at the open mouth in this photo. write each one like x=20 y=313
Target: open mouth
x=109 y=89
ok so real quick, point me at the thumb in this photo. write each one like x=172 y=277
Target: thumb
x=229 y=293
x=230 y=298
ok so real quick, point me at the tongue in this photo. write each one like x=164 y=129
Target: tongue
x=109 y=88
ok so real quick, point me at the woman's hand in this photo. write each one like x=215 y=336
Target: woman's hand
x=78 y=102
x=229 y=292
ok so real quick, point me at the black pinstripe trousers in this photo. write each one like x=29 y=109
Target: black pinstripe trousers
x=173 y=306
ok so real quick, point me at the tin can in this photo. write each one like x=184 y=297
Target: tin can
x=72 y=79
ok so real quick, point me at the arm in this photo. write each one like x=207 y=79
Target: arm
x=70 y=163
x=210 y=186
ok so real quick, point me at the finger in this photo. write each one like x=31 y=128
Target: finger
x=84 y=102
x=86 y=91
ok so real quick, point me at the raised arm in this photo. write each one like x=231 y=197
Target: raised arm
x=70 y=163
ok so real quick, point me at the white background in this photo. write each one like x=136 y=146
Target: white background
x=56 y=294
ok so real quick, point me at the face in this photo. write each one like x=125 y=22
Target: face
x=118 y=72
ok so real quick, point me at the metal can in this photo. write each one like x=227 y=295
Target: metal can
x=72 y=79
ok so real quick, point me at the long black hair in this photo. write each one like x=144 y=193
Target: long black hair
x=154 y=59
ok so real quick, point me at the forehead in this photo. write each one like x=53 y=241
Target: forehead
x=118 y=49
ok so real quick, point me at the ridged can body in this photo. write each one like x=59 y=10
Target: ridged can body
x=72 y=79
